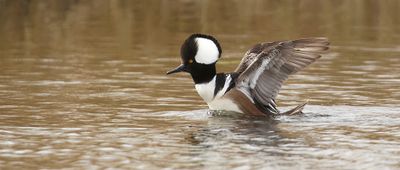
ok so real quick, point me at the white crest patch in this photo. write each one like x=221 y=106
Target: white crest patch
x=207 y=51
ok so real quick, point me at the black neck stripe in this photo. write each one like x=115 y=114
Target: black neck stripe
x=219 y=82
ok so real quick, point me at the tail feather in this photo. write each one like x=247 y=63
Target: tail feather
x=297 y=110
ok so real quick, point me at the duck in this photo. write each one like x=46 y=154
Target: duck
x=254 y=85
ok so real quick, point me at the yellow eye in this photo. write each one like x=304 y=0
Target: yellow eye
x=190 y=61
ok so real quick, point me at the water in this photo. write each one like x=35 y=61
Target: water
x=83 y=86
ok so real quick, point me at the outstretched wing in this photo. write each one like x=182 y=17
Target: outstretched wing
x=267 y=65
x=252 y=54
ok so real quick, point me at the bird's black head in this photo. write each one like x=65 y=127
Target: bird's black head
x=199 y=54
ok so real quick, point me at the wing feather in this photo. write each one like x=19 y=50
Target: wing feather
x=266 y=66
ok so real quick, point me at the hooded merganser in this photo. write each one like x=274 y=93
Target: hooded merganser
x=253 y=86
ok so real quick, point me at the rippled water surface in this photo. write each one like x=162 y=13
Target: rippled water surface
x=83 y=86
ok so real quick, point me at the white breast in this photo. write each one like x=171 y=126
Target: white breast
x=223 y=104
x=206 y=90
x=217 y=102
